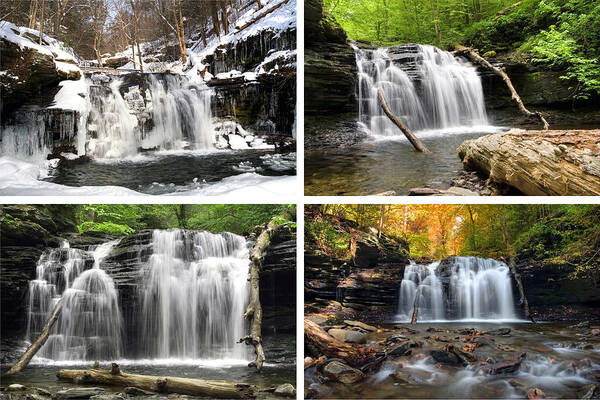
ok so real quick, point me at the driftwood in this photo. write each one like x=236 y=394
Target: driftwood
x=254 y=308
x=161 y=384
x=262 y=14
x=407 y=132
x=354 y=355
x=517 y=276
x=415 y=313
x=477 y=59
x=39 y=342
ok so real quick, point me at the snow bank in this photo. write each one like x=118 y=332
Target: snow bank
x=248 y=184
x=72 y=96
x=25 y=37
x=20 y=178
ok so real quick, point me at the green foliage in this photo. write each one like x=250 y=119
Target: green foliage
x=332 y=241
x=558 y=33
x=122 y=219
x=106 y=227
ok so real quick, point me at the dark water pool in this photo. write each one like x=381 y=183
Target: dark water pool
x=377 y=165
x=561 y=361
x=161 y=173
x=280 y=367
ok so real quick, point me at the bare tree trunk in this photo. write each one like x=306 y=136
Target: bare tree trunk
x=476 y=58
x=259 y=4
x=523 y=300
x=407 y=132
x=415 y=313
x=135 y=34
x=262 y=15
x=42 y=21
x=96 y=50
x=33 y=13
x=161 y=384
x=254 y=308
x=182 y=35
x=39 y=342
x=224 y=19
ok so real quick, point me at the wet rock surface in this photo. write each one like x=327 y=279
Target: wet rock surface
x=329 y=66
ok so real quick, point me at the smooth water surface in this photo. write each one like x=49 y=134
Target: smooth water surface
x=168 y=172
x=377 y=165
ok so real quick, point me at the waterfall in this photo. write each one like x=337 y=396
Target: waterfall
x=462 y=288
x=193 y=295
x=426 y=87
x=89 y=326
x=180 y=115
x=112 y=122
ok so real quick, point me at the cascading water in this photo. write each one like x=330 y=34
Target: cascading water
x=193 y=295
x=89 y=326
x=180 y=114
x=434 y=90
x=189 y=303
x=464 y=288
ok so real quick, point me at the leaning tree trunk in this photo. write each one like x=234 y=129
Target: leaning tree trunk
x=254 y=308
x=354 y=355
x=517 y=276
x=407 y=132
x=39 y=342
x=415 y=313
x=476 y=58
x=161 y=384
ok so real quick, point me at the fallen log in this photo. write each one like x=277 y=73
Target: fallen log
x=39 y=342
x=523 y=300
x=354 y=355
x=161 y=384
x=538 y=163
x=477 y=59
x=407 y=132
x=254 y=308
x=262 y=14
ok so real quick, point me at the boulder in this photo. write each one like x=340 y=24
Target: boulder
x=340 y=372
x=348 y=336
x=361 y=325
x=504 y=367
x=286 y=390
x=446 y=357
x=116 y=62
x=79 y=393
x=539 y=163
x=30 y=70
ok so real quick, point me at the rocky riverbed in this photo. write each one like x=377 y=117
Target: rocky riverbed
x=457 y=360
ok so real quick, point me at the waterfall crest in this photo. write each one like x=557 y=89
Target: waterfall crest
x=427 y=87
x=463 y=288
x=193 y=295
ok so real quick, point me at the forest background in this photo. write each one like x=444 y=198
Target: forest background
x=561 y=34
x=549 y=233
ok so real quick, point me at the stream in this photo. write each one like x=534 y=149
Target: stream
x=174 y=172
x=555 y=362
x=279 y=368
x=379 y=164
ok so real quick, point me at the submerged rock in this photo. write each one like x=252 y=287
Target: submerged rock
x=346 y=335
x=79 y=393
x=340 y=372
x=446 y=357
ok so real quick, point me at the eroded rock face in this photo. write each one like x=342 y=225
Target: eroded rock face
x=29 y=74
x=538 y=163
x=330 y=64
